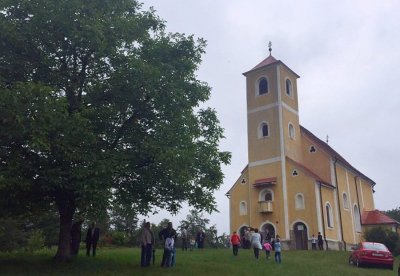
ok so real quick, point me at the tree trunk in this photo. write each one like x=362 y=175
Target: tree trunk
x=66 y=210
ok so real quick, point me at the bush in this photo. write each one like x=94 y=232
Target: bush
x=35 y=241
x=383 y=235
x=119 y=238
x=11 y=235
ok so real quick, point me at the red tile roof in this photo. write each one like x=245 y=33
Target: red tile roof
x=264 y=181
x=267 y=62
x=376 y=217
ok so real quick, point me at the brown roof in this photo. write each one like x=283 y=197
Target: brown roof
x=270 y=60
x=311 y=173
x=264 y=181
x=334 y=154
x=376 y=217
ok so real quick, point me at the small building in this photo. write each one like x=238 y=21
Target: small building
x=294 y=184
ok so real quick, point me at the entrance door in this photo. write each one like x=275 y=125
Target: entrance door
x=300 y=234
x=268 y=232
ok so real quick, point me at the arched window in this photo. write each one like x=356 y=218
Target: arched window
x=262 y=86
x=292 y=133
x=299 y=201
x=288 y=87
x=329 y=216
x=243 y=208
x=345 y=201
x=357 y=219
x=266 y=195
x=263 y=130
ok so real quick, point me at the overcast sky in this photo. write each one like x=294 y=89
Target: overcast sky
x=347 y=54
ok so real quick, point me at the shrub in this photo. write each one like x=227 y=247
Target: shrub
x=11 y=235
x=119 y=238
x=383 y=235
x=35 y=241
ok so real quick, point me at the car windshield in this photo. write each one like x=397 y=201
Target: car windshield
x=374 y=246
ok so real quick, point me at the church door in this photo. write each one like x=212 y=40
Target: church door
x=300 y=234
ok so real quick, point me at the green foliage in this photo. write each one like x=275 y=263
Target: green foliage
x=394 y=213
x=35 y=241
x=12 y=237
x=119 y=238
x=383 y=235
x=100 y=107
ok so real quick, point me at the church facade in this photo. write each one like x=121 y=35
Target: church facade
x=294 y=185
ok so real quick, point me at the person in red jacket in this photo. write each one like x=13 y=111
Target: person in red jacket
x=235 y=240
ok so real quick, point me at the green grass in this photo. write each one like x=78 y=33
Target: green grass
x=126 y=261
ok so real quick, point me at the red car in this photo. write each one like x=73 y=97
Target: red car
x=371 y=253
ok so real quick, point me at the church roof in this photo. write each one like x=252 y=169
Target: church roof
x=334 y=154
x=375 y=217
x=269 y=61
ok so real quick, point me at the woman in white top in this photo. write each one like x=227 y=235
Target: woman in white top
x=256 y=242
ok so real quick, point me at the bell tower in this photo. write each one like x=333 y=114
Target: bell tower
x=273 y=133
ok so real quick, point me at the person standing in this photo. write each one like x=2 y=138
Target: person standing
x=92 y=237
x=184 y=236
x=320 y=241
x=256 y=243
x=76 y=234
x=313 y=242
x=147 y=241
x=200 y=238
x=235 y=241
x=278 y=248
x=268 y=248
x=167 y=232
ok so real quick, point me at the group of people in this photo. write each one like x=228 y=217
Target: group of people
x=253 y=239
x=315 y=240
x=168 y=236
x=92 y=238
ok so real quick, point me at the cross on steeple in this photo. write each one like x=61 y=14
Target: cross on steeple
x=269 y=47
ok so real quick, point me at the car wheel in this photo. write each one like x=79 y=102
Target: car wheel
x=351 y=261
x=358 y=264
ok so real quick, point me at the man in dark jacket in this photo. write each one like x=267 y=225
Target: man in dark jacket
x=92 y=237
x=167 y=232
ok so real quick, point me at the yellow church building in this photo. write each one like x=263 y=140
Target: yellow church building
x=294 y=185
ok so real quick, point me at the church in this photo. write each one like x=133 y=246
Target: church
x=294 y=184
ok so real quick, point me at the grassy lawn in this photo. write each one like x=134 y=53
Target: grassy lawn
x=126 y=261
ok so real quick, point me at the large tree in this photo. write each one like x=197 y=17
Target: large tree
x=98 y=107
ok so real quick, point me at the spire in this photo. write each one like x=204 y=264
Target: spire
x=269 y=47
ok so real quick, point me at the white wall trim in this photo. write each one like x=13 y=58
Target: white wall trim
x=285 y=105
x=318 y=207
x=351 y=208
x=265 y=161
x=335 y=200
x=283 y=159
x=362 y=196
x=262 y=108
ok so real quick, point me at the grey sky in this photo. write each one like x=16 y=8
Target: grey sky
x=347 y=55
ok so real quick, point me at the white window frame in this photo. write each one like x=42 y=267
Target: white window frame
x=299 y=205
x=357 y=218
x=291 y=131
x=243 y=210
x=257 y=86
x=290 y=94
x=329 y=219
x=261 y=195
x=345 y=199
x=260 y=130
